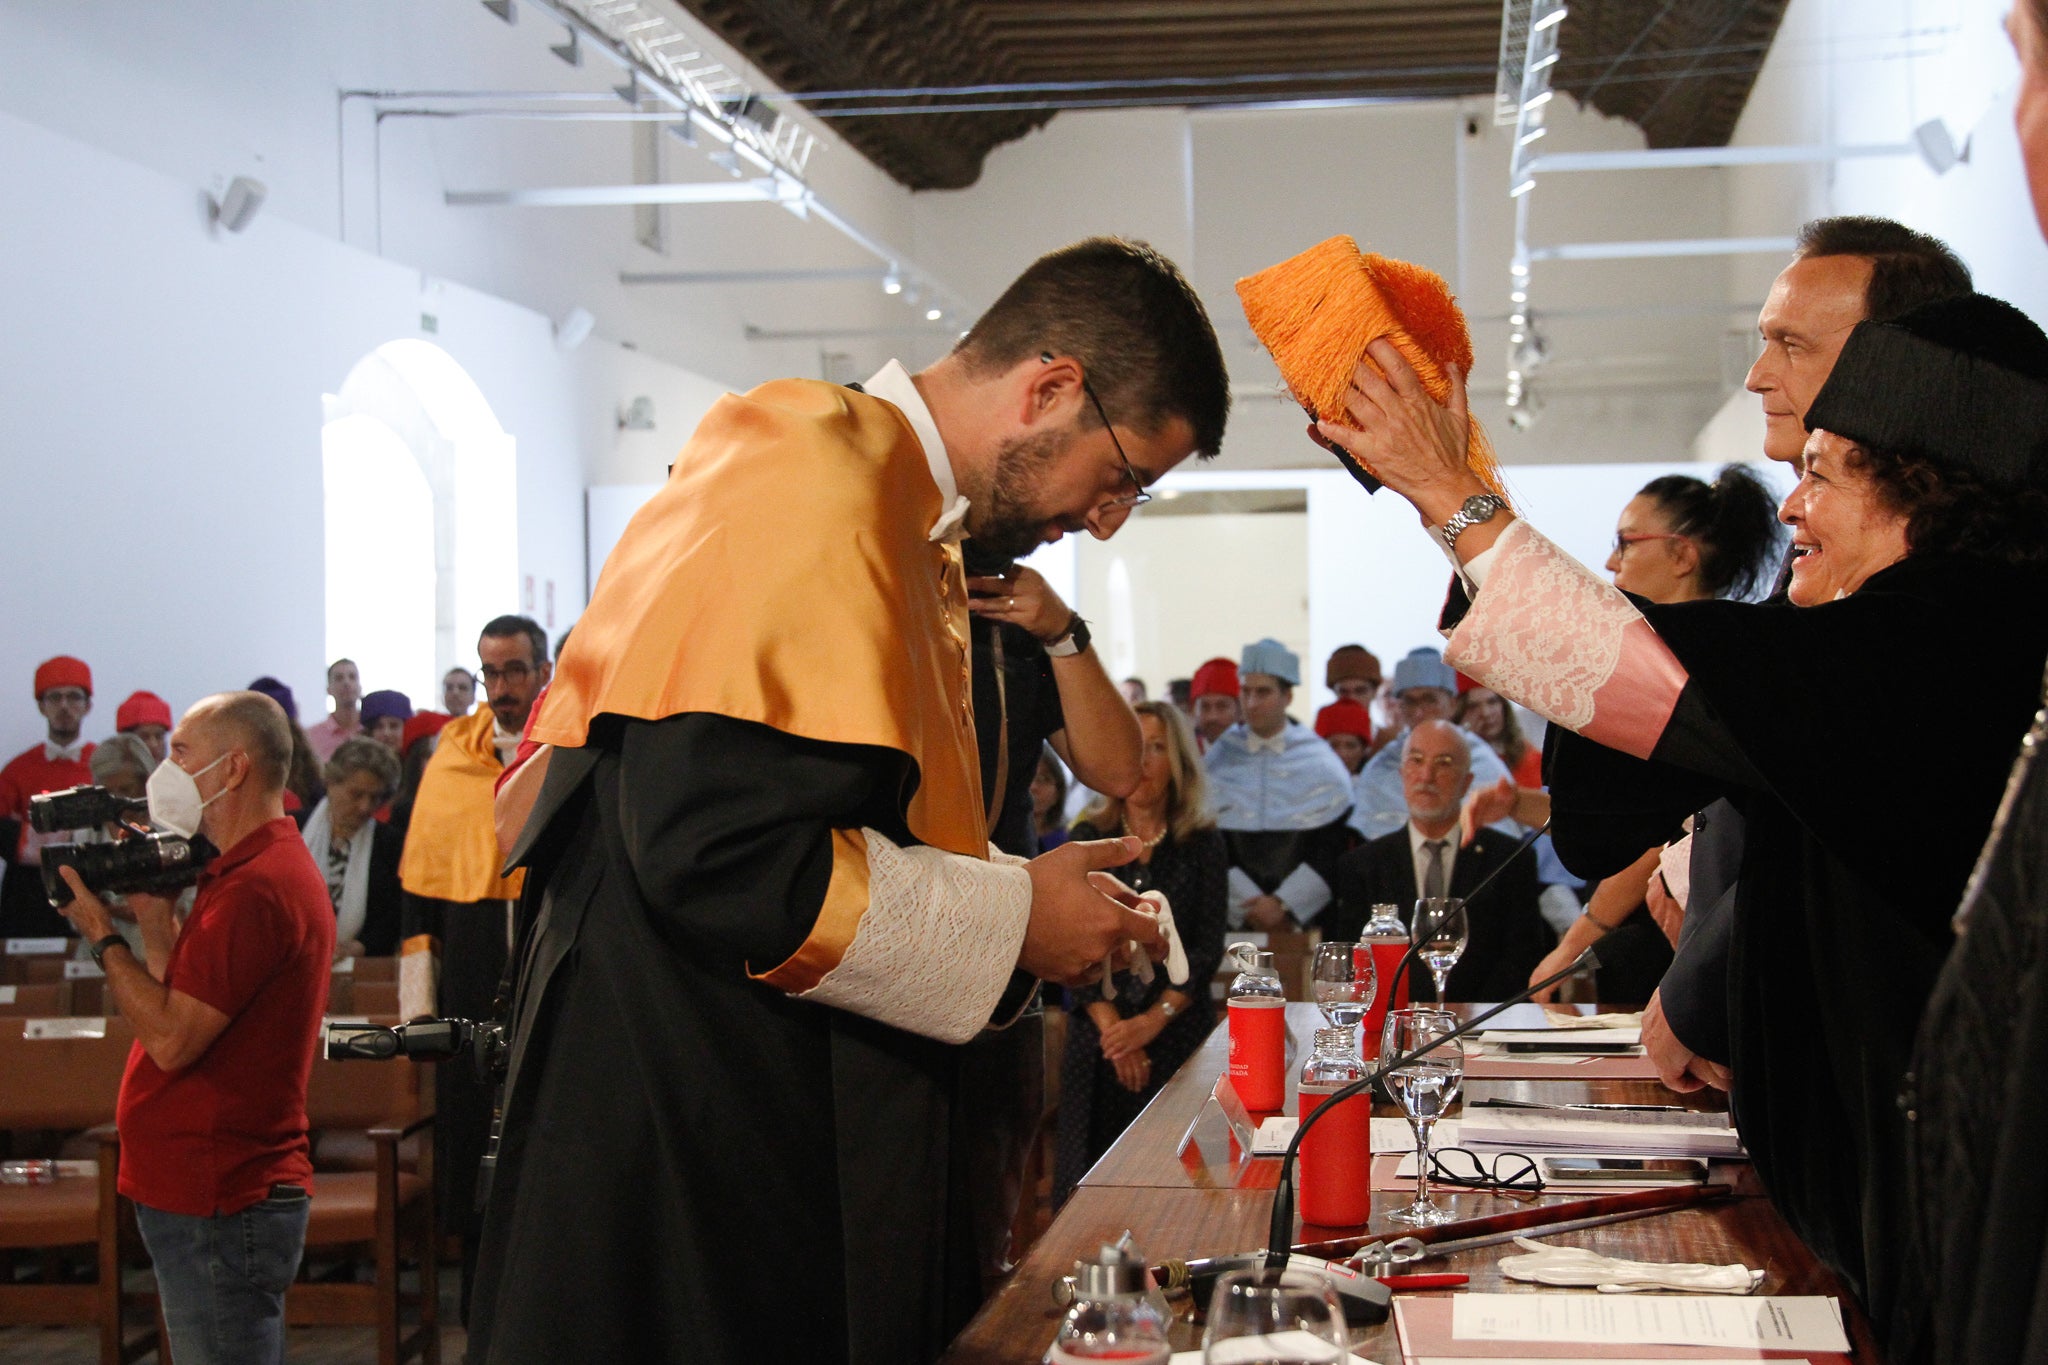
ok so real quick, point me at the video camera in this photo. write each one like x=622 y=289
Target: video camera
x=157 y=863
x=426 y=1040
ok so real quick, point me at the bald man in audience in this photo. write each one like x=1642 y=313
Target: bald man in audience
x=226 y=1011
x=1423 y=858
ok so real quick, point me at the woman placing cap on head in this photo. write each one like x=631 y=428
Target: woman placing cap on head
x=1921 y=515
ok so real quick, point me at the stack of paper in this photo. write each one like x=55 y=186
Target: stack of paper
x=1618 y=1133
x=1618 y=1328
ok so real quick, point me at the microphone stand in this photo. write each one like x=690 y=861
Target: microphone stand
x=1280 y=1235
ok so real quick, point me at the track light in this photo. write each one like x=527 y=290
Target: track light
x=933 y=314
x=892 y=283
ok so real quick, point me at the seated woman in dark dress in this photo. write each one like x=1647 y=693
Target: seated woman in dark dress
x=1124 y=1042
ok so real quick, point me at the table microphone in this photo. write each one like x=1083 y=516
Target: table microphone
x=1280 y=1235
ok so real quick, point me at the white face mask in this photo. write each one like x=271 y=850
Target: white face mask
x=174 y=800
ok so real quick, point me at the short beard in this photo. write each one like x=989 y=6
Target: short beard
x=1008 y=527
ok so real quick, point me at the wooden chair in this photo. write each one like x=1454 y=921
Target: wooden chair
x=390 y=1209
x=72 y=1084
x=28 y=970
x=44 y=1000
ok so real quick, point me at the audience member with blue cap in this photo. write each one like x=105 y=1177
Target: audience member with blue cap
x=1425 y=688
x=1280 y=795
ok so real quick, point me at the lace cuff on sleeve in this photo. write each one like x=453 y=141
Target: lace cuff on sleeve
x=1546 y=631
x=915 y=937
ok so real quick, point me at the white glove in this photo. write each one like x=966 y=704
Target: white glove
x=1577 y=1266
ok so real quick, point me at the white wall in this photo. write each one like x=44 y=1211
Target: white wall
x=160 y=415
x=1847 y=72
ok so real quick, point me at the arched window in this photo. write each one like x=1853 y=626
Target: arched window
x=421 y=517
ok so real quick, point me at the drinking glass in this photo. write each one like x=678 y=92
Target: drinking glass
x=1425 y=1089
x=1440 y=931
x=1345 y=982
x=1274 y=1317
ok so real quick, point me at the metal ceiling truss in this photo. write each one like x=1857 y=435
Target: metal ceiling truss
x=664 y=64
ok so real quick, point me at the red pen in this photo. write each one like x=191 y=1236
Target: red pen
x=1425 y=1281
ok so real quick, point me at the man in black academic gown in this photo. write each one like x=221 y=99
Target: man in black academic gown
x=1847 y=269
x=762 y=906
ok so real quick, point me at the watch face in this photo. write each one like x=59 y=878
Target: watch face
x=1481 y=506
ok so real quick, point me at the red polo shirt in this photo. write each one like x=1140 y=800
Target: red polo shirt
x=214 y=1137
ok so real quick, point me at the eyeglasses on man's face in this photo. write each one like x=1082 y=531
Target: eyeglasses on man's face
x=1137 y=497
x=514 y=673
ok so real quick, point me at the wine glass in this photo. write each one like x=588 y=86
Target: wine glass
x=1440 y=931
x=1425 y=1089
x=1345 y=982
x=1274 y=1317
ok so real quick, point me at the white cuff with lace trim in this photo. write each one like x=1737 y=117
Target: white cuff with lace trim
x=937 y=943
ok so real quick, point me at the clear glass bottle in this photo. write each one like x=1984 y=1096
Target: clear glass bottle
x=1114 y=1314
x=1257 y=1009
x=1335 y=1160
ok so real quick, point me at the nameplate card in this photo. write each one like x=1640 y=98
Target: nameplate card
x=83 y=969
x=6 y=995
x=85 y=1027
x=344 y=966
x=37 y=947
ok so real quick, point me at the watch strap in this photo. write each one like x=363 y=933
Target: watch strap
x=1072 y=640
x=99 y=949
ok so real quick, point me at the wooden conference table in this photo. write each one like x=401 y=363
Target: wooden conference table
x=1202 y=1203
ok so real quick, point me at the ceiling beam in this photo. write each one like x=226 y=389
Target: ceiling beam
x=1677 y=246
x=750 y=276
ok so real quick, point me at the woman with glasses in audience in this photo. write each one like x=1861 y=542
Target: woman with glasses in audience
x=1919 y=523
x=1680 y=539
x=1127 y=1036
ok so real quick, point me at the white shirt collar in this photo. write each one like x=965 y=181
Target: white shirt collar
x=1256 y=743
x=70 y=753
x=892 y=384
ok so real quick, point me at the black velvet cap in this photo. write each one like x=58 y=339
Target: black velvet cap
x=1961 y=383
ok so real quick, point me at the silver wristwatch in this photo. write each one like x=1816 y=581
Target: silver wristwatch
x=1479 y=507
x=1166 y=1008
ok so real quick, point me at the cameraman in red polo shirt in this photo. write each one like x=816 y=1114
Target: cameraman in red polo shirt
x=227 y=1014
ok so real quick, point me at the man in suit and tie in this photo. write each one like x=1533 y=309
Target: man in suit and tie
x=1423 y=858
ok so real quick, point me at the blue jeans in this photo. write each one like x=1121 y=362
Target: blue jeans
x=223 y=1279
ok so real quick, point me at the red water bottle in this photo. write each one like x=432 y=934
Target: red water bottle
x=1386 y=938
x=1258 y=1031
x=1334 y=1165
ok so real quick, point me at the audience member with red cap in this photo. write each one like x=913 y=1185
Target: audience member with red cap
x=1346 y=726
x=148 y=717
x=63 y=688
x=1215 y=700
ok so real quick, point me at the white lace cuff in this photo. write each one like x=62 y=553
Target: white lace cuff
x=935 y=946
x=1546 y=631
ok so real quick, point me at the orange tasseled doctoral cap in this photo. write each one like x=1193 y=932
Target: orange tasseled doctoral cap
x=1317 y=312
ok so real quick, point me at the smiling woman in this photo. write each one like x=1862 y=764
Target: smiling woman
x=1921 y=519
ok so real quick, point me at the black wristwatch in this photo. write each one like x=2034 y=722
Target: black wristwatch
x=99 y=949
x=1073 y=641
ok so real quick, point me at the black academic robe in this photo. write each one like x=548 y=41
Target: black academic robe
x=1977 y=1108
x=1508 y=934
x=1860 y=833
x=698 y=1167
